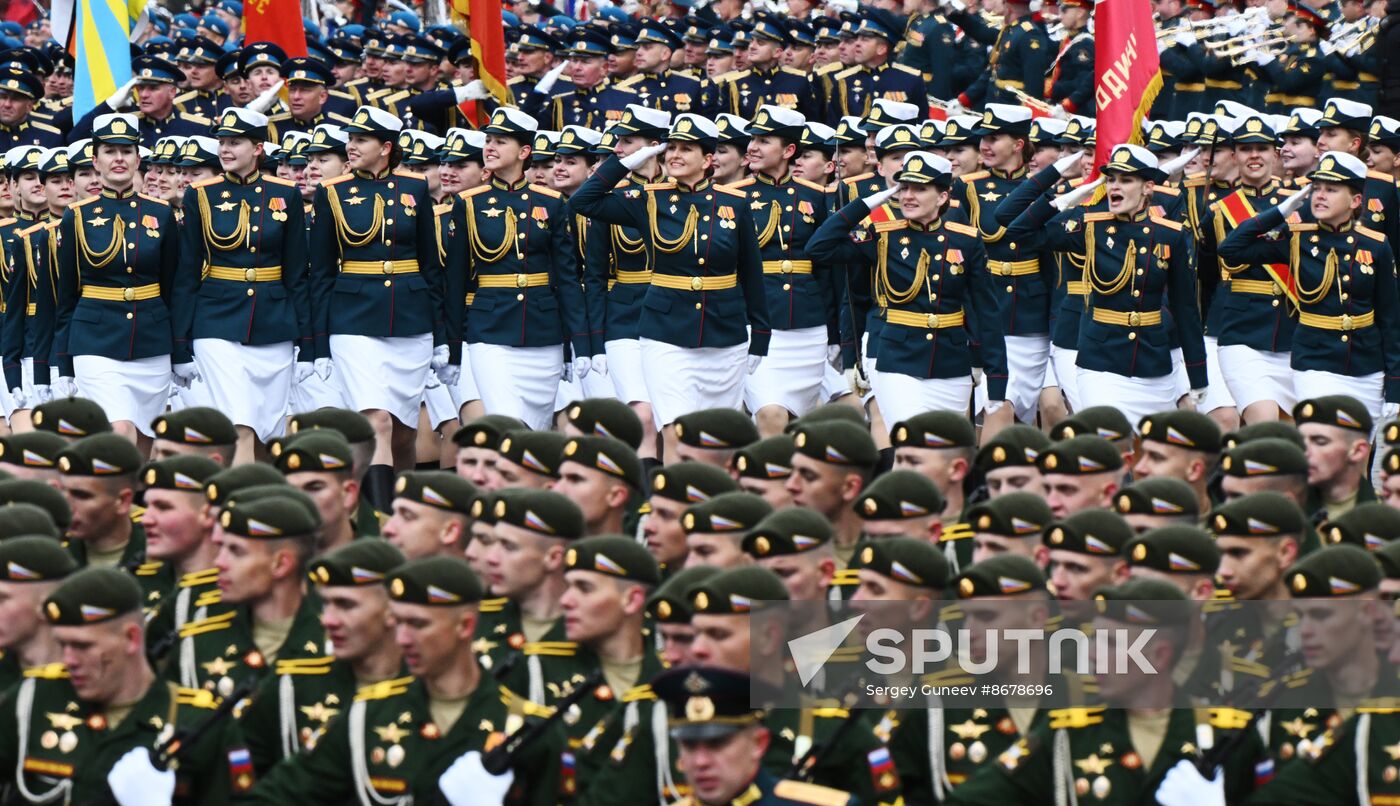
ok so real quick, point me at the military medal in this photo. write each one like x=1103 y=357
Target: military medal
x=1101 y=787
x=49 y=740
x=68 y=741
x=394 y=755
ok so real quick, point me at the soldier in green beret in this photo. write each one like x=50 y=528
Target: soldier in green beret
x=72 y=418
x=711 y=436
x=604 y=478
x=478 y=449
x=833 y=463
x=1269 y=429
x=714 y=529
x=1007 y=461
x=1390 y=478
x=901 y=569
x=99 y=477
x=197 y=430
x=52 y=501
x=376 y=478
x=220 y=486
x=1336 y=432
x=1009 y=524
x=298 y=700
x=1085 y=553
x=1159 y=501
x=31 y=568
x=1371 y=526
x=179 y=527
x=1260 y=538
x=530 y=459
x=1080 y=473
x=939 y=445
x=21 y=520
x=764 y=468
x=424 y=735
x=1101 y=421
x=1184 y=556
x=32 y=455
x=1265 y=464
x=89 y=727
x=320 y=464
x=1183 y=445
x=267 y=615
x=431 y=514
x=901 y=502
x=609 y=417
x=675 y=487
x=797 y=545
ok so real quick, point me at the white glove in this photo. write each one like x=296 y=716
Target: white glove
x=264 y=102
x=993 y=406
x=303 y=370
x=977 y=376
x=1067 y=163
x=954 y=108
x=323 y=368
x=135 y=781
x=1326 y=47
x=1295 y=201
x=1185 y=786
x=1162 y=45
x=121 y=99
x=550 y=79
x=1185 y=39
x=957 y=5
x=439 y=359
x=753 y=363
x=1074 y=197
x=184 y=374
x=856 y=380
x=474 y=91
x=1259 y=57
x=1058 y=112
x=449 y=374
x=639 y=157
x=582 y=365
x=600 y=364
x=63 y=387
x=833 y=356
x=1237 y=24
x=1196 y=396
x=1175 y=164
x=467 y=782
x=1390 y=411
x=875 y=200
x=850 y=6
x=18 y=394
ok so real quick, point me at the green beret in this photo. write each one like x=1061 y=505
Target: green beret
x=826 y=412
x=486 y=431
x=29 y=491
x=1081 y=456
x=794 y=530
x=35 y=558
x=1011 y=515
x=614 y=555
x=39 y=449
x=539 y=452
x=606 y=417
x=1265 y=457
x=899 y=495
x=1184 y=429
x=1175 y=550
x=1262 y=514
x=1159 y=495
x=1100 y=421
x=727 y=512
x=766 y=459
x=275 y=517
x=220 y=486
x=935 y=429
x=27 y=519
x=1390 y=463
x=1144 y=601
x=1369 y=526
x=1269 y=429
x=1094 y=531
x=484 y=508
x=606 y=455
x=197 y=425
x=670 y=604
x=1002 y=575
x=100 y=455
x=186 y=473
x=352 y=425
x=904 y=559
x=436 y=488
x=363 y=562
x=319 y=451
x=705 y=702
x=689 y=482
x=716 y=429
x=543 y=512
x=1389 y=558
x=439 y=581
x=1342 y=411
x=70 y=417
x=837 y=442
x=1341 y=570
x=1391 y=435
x=734 y=591
x=1014 y=446
x=92 y=596
x=260 y=491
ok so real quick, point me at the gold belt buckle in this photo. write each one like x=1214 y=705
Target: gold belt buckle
x=388 y=267
x=1003 y=268
x=933 y=321
x=696 y=283
x=1346 y=322
x=521 y=281
x=1277 y=289
x=250 y=275
x=1134 y=318
x=786 y=267
x=128 y=294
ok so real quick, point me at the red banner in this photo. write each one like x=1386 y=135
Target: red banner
x=276 y=21
x=1127 y=73
x=481 y=20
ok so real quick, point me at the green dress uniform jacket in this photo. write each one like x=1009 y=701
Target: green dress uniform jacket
x=1347 y=763
x=616 y=275
x=1248 y=307
x=787 y=213
x=28 y=331
x=858 y=87
x=217 y=652
x=1020 y=60
x=1018 y=265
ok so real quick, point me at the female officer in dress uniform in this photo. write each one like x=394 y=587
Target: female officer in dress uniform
x=116 y=283
x=933 y=275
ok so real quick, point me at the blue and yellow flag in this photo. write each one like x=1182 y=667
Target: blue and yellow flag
x=98 y=33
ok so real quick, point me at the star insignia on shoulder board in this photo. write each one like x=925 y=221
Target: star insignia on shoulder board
x=98 y=221
x=225 y=207
x=353 y=200
x=391 y=733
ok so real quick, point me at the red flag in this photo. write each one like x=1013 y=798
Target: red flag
x=22 y=12
x=276 y=21
x=481 y=20
x=1127 y=73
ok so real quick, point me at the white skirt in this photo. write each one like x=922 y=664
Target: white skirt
x=384 y=374
x=903 y=396
x=1135 y=397
x=1067 y=375
x=686 y=379
x=1026 y=357
x=629 y=380
x=1254 y=375
x=1369 y=389
x=314 y=393
x=440 y=400
x=1218 y=392
x=520 y=382
x=834 y=384
x=250 y=383
x=134 y=391
x=790 y=375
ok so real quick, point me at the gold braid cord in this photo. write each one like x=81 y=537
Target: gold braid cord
x=775 y=214
x=687 y=233
x=100 y=260
x=1228 y=268
x=882 y=274
x=348 y=236
x=625 y=245
x=479 y=249
x=1329 y=276
x=231 y=241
